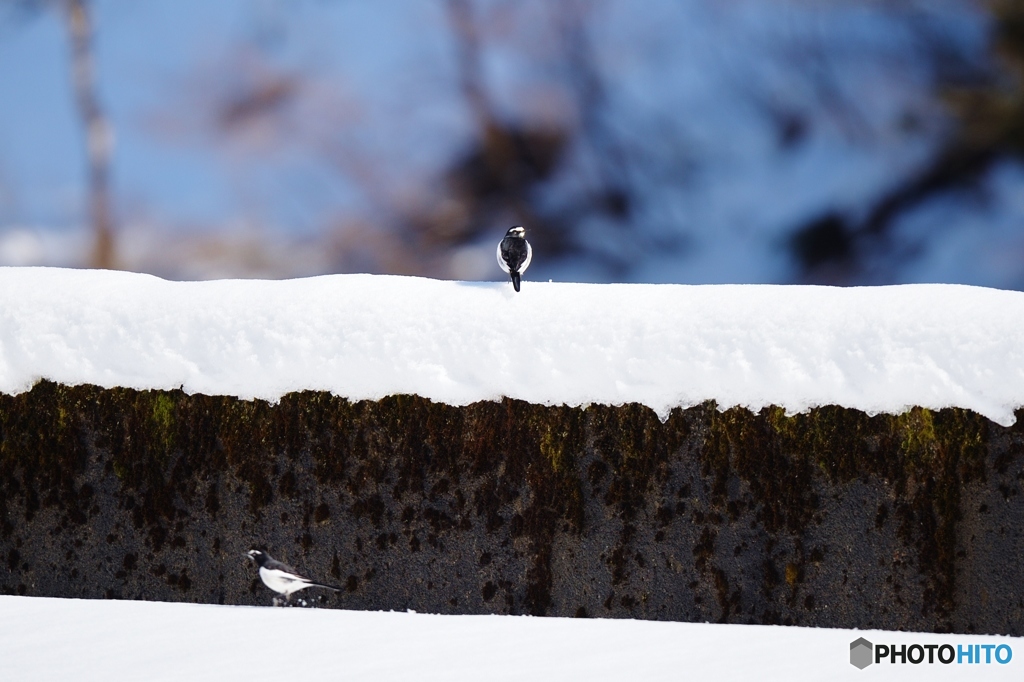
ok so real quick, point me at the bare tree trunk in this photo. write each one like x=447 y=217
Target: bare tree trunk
x=98 y=136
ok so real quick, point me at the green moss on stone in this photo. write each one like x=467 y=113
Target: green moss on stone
x=515 y=470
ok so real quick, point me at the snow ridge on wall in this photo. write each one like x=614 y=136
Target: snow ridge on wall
x=877 y=349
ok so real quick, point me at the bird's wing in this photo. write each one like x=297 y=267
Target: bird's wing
x=515 y=252
x=275 y=565
x=501 y=256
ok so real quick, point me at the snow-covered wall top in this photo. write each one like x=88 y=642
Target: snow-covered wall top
x=880 y=349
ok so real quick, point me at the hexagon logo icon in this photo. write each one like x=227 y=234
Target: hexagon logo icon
x=860 y=653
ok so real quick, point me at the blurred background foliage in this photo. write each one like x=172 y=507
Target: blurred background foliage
x=700 y=141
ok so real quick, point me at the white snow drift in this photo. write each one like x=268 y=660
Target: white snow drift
x=109 y=641
x=878 y=349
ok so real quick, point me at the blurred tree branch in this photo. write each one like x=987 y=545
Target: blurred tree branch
x=508 y=171
x=494 y=177
x=988 y=112
x=556 y=138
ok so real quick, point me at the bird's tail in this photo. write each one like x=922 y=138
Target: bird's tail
x=515 y=280
x=325 y=586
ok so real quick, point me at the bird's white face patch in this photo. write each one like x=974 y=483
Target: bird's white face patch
x=518 y=231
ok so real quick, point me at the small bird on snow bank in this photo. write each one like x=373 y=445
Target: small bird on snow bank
x=515 y=253
x=282 y=578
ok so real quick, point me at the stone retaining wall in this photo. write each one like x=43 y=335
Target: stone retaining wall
x=832 y=518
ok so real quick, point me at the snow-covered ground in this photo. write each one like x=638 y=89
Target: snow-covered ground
x=109 y=641
x=879 y=349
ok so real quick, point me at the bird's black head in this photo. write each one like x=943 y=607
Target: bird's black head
x=259 y=557
x=517 y=232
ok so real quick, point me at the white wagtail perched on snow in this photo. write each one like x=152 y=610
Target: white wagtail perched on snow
x=282 y=578
x=515 y=253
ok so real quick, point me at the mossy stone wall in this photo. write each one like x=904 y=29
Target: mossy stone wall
x=832 y=518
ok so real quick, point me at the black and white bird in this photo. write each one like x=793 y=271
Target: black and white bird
x=515 y=253
x=281 y=577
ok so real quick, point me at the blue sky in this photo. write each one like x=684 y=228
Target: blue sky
x=146 y=54
x=379 y=100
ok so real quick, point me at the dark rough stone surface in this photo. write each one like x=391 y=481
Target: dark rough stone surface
x=832 y=518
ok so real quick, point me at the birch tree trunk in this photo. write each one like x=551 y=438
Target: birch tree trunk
x=98 y=133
